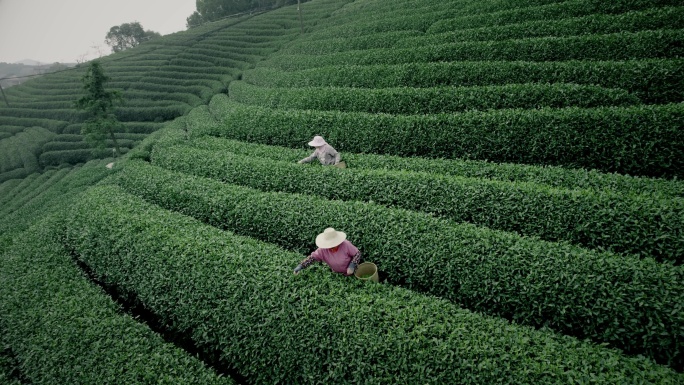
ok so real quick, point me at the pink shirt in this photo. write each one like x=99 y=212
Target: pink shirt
x=339 y=260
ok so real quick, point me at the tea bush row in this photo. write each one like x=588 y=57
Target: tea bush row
x=189 y=76
x=222 y=290
x=63 y=330
x=639 y=140
x=64 y=114
x=558 y=177
x=46 y=180
x=420 y=22
x=150 y=114
x=418 y=16
x=215 y=56
x=340 y=44
x=201 y=64
x=183 y=97
x=652 y=81
x=28 y=183
x=615 y=47
x=237 y=44
x=629 y=224
x=214 y=84
x=57 y=145
x=558 y=11
x=632 y=21
x=132 y=130
x=60 y=157
x=436 y=19
x=217 y=48
x=12 y=130
x=43 y=104
x=431 y=100
x=7 y=187
x=24 y=180
x=169 y=88
x=52 y=196
x=38 y=91
x=354 y=12
x=21 y=149
x=17 y=173
x=575 y=291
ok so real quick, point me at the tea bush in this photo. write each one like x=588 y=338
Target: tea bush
x=311 y=46
x=237 y=297
x=64 y=330
x=21 y=149
x=558 y=177
x=632 y=21
x=641 y=140
x=431 y=100
x=561 y=10
x=617 y=46
x=651 y=80
x=632 y=304
x=621 y=223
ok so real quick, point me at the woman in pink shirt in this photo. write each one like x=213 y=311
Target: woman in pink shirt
x=335 y=250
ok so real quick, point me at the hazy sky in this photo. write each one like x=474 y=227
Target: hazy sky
x=68 y=31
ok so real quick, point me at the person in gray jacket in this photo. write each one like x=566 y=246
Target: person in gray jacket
x=324 y=152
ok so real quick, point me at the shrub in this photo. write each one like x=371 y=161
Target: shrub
x=632 y=21
x=615 y=47
x=639 y=140
x=258 y=310
x=558 y=177
x=652 y=80
x=64 y=330
x=556 y=11
x=431 y=100
x=629 y=224
x=575 y=291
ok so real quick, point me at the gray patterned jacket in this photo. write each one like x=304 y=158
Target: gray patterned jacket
x=326 y=154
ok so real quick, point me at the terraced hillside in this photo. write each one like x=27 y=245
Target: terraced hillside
x=159 y=81
x=514 y=170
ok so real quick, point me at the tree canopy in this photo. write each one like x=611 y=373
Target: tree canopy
x=99 y=104
x=128 y=35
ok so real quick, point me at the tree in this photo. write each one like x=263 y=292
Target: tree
x=128 y=35
x=99 y=104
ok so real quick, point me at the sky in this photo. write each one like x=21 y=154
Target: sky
x=70 y=31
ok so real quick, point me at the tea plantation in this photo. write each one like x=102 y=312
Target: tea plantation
x=514 y=170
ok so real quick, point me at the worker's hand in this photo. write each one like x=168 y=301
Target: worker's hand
x=298 y=269
x=351 y=268
x=300 y=162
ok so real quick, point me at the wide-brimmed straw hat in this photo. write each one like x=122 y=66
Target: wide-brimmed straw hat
x=330 y=238
x=317 y=141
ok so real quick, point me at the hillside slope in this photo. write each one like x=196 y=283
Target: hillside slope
x=514 y=170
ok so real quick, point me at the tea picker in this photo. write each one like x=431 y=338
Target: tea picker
x=324 y=152
x=335 y=250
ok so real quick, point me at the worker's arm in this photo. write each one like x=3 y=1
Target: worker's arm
x=308 y=158
x=306 y=262
x=354 y=262
x=337 y=157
